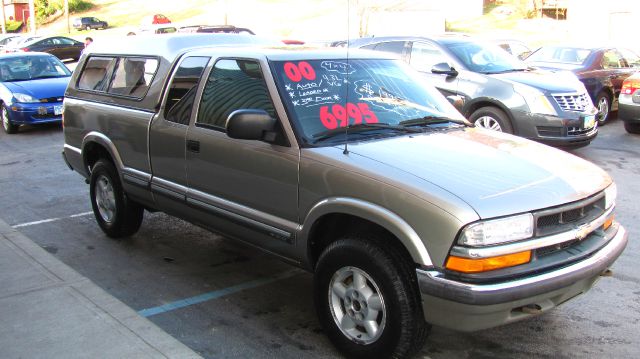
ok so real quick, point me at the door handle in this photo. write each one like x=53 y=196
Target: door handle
x=193 y=146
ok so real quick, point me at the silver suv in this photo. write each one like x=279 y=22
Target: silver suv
x=345 y=165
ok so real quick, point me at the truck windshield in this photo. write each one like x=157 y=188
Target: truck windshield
x=325 y=95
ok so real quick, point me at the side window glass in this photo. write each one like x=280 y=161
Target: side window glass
x=233 y=85
x=182 y=90
x=94 y=74
x=630 y=58
x=394 y=47
x=424 y=56
x=611 y=60
x=132 y=76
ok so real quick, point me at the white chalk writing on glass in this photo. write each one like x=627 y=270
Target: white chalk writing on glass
x=383 y=99
x=342 y=68
x=333 y=80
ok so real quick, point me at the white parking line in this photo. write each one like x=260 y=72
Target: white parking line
x=50 y=220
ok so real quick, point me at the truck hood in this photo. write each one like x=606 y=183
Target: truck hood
x=496 y=174
x=546 y=81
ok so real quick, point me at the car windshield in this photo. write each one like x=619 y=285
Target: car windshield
x=374 y=97
x=27 y=68
x=567 y=55
x=485 y=58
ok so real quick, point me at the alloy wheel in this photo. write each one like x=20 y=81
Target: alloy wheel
x=357 y=305
x=105 y=199
x=489 y=123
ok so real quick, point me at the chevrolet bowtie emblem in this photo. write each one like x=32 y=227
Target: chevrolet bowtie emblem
x=582 y=232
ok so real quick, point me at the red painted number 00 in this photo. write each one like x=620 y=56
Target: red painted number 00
x=295 y=72
x=329 y=116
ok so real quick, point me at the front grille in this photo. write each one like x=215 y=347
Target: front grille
x=568 y=217
x=52 y=99
x=545 y=251
x=573 y=102
x=548 y=131
x=577 y=131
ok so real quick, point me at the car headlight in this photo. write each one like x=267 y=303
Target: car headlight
x=496 y=231
x=536 y=100
x=610 y=195
x=23 y=97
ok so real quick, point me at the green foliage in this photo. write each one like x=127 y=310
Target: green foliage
x=13 y=26
x=46 y=8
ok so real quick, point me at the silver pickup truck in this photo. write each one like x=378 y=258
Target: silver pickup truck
x=347 y=164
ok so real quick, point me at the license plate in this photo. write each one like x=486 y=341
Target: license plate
x=589 y=121
x=57 y=110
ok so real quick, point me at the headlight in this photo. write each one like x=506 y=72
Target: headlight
x=22 y=97
x=610 y=195
x=496 y=231
x=536 y=100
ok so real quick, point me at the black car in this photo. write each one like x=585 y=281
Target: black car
x=496 y=90
x=88 y=23
x=601 y=69
x=59 y=46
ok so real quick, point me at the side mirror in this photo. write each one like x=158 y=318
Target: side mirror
x=250 y=125
x=444 y=68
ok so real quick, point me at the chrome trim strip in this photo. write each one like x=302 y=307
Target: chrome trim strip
x=168 y=188
x=136 y=177
x=243 y=211
x=270 y=230
x=432 y=282
x=534 y=243
x=71 y=148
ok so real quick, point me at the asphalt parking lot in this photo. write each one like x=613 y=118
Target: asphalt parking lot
x=226 y=300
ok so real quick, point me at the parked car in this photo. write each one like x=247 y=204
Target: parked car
x=629 y=103
x=32 y=89
x=495 y=90
x=345 y=163
x=601 y=69
x=13 y=45
x=4 y=40
x=227 y=29
x=88 y=23
x=154 y=20
x=61 y=47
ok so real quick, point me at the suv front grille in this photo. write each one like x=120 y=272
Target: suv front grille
x=573 y=102
x=568 y=217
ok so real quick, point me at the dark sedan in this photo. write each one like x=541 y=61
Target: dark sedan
x=59 y=46
x=601 y=69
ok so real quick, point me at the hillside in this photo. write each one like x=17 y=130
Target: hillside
x=274 y=18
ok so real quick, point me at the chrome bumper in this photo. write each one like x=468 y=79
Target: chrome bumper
x=433 y=283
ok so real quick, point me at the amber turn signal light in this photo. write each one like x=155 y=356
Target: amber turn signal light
x=608 y=223
x=470 y=265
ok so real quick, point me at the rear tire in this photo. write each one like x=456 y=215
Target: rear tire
x=603 y=104
x=88 y=27
x=116 y=214
x=367 y=298
x=632 y=127
x=8 y=127
x=491 y=118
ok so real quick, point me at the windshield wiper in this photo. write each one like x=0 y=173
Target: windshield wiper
x=431 y=120
x=504 y=71
x=360 y=127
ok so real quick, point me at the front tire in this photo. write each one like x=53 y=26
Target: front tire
x=87 y=28
x=491 y=118
x=7 y=125
x=603 y=103
x=632 y=127
x=367 y=299
x=116 y=214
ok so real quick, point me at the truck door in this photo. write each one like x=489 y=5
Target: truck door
x=168 y=132
x=248 y=189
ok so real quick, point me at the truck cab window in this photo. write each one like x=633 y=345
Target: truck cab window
x=233 y=85
x=182 y=91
